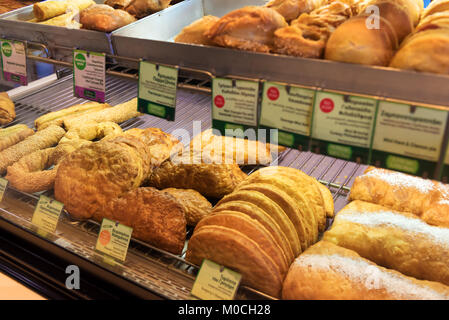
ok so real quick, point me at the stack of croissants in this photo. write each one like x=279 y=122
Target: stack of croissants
x=396 y=33
x=390 y=242
x=86 y=14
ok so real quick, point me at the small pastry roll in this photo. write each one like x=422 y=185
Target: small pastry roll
x=50 y=9
x=7 y=109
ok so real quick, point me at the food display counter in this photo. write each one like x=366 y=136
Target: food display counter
x=295 y=215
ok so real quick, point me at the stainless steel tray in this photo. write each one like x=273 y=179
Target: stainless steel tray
x=145 y=39
x=13 y=25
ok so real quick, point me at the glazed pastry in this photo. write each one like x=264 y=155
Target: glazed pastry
x=238 y=252
x=118 y=114
x=393 y=239
x=427 y=199
x=249 y=28
x=7 y=109
x=49 y=9
x=209 y=179
x=225 y=149
x=194 y=205
x=58 y=117
x=40 y=140
x=291 y=9
x=102 y=17
x=12 y=135
x=155 y=216
x=90 y=177
x=194 y=33
x=143 y=8
x=329 y=272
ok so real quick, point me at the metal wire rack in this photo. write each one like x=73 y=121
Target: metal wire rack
x=169 y=275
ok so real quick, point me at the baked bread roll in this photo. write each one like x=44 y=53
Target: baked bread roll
x=435 y=6
x=250 y=28
x=50 y=9
x=90 y=177
x=209 y=179
x=225 y=149
x=291 y=9
x=12 y=135
x=118 y=4
x=143 y=8
x=194 y=33
x=425 y=198
x=194 y=205
x=58 y=117
x=155 y=216
x=43 y=139
x=434 y=21
x=102 y=17
x=353 y=42
x=7 y=109
x=393 y=239
x=426 y=51
x=329 y=272
x=238 y=252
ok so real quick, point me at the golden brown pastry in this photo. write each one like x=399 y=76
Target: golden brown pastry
x=155 y=216
x=225 y=149
x=426 y=51
x=250 y=28
x=49 y=9
x=353 y=42
x=58 y=117
x=143 y=8
x=161 y=145
x=209 y=179
x=252 y=229
x=425 y=198
x=275 y=207
x=291 y=9
x=90 y=177
x=12 y=135
x=118 y=4
x=117 y=114
x=7 y=109
x=238 y=252
x=307 y=35
x=435 y=6
x=43 y=139
x=393 y=239
x=92 y=131
x=328 y=200
x=329 y=272
x=102 y=17
x=194 y=205
x=194 y=33
x=434 y=21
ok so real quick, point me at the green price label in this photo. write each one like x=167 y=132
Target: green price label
x=7 y=49
x=80 y=61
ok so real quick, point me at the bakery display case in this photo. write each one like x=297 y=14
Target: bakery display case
x=279 y=217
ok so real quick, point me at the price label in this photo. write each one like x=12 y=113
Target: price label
x=289 y=109
x=89 y=71
x=157 y=90
x=114 y=239
x=234 y=104
x=343 y=125
x=215 y=282
x=408 y=138
x=46 y=215
x=3 y=185
x=14 y=59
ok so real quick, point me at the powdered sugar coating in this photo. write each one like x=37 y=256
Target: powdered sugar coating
x=402 y=180
x=369 y=275
x=389 y=218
